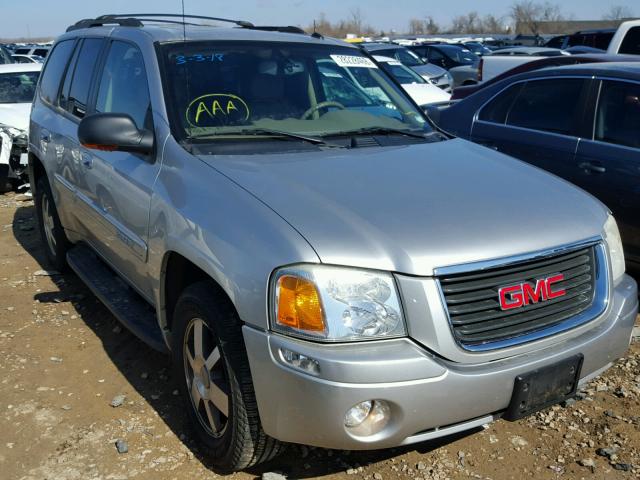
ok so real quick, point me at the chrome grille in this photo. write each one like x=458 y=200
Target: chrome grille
x=475 y=313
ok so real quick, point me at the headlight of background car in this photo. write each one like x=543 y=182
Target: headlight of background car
x=335 y=304
x=449 y=78
x=614 y=243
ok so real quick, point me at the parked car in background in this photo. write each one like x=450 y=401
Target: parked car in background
x=40 y=50
x=432 y=73
x=597 y=39
x=5 y=55
x=556 y=42
x=445 y=55
x=27 y=58
x=580 y=122
x=477 y=48
x=626 y=40
x=464 y=91
x=17 y=89
x=325 y=270
x=505 y=59
x=420 y=90
x=461 y=62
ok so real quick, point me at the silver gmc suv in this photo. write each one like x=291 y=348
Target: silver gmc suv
x=324 y=266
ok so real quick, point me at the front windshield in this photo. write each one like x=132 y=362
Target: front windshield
x=224 y=89
x=18 y=87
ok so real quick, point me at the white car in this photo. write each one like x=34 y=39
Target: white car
x=27 y=58
x=421 y=91
x=17 y=87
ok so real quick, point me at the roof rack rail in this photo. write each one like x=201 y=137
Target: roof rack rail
x=275 y=28
x=135 y=20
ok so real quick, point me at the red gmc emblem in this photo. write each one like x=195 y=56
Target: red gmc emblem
x=516 y=296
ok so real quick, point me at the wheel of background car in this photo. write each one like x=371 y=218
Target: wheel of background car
x=211 y=366
x=317 y=107
x=54 y=240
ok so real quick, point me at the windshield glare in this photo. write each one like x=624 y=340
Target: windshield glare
x=404 y=75
x=18 y=87
x=222 y=88
x=461 y=55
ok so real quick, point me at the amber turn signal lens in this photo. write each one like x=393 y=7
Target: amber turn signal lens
x=299 y=304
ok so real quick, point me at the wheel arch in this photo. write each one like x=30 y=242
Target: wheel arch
x=178 y=272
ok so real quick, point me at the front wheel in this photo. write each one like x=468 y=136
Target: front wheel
x=212 y=368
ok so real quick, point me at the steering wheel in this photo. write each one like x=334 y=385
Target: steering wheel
x=317 y=107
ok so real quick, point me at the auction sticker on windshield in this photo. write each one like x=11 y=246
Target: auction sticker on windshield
x=353 y=61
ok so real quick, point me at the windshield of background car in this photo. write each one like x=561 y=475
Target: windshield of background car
x=401 y=73
x=461 y=55
x=223 y=88
x=18 y=87
x=407 y=57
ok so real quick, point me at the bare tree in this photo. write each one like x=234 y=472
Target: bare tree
x=356 y=19
x=529 y=15
x=355 y=25
x=427 y=26
x=618 y=12
x=492 y=24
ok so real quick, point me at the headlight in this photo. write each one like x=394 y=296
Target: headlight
x=449 y=78
x=335 y=304
x=614 y=243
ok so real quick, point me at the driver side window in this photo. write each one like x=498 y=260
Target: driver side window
x=123 y=86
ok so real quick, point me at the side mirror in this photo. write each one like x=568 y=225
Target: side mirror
x=114 y=132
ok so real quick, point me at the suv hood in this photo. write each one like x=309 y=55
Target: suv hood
x=414 y=208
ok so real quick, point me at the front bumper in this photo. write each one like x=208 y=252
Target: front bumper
x=429 y=397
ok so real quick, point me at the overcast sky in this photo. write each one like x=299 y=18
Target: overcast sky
x=50 y=17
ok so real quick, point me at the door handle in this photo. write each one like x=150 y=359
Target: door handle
x=592 y=167
x=45 y=136
x=87 y=161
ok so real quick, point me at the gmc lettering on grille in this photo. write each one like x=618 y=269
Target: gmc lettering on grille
x=516 y=296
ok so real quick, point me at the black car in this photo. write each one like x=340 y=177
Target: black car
x=446 y=56
x=581 y=122
x=477 y=48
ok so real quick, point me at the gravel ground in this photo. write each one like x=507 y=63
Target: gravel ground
x=81 y=398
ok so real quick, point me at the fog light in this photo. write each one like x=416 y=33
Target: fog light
x=357 y=414
x=300 y=362
x=367 y=418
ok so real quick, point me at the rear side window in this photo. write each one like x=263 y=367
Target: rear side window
x=56 y=65
x=631 y=42
x=75 y=101
x=497 y=109
x=123 y=86
x=547 y=105
x=618 y=114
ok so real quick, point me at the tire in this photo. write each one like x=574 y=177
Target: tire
x=216 y=377
x=52 y=234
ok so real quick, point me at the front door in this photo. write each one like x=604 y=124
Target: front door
x=609 y=165
x=119 y=184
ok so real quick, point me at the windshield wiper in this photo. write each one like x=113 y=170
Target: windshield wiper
x=380 y=131
x=268 y=131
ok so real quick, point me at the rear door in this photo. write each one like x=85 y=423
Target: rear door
x=608 y=165
x=65 y=151
x=536 y=121
x=119 y=184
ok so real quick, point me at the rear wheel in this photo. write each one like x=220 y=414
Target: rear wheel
x=211 y=365
x=53 y=237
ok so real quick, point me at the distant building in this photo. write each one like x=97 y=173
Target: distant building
x=567 y=26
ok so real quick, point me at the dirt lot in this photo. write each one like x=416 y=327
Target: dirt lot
x=64 y=359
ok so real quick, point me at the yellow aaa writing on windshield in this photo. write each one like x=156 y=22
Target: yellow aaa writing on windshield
x=215 y=109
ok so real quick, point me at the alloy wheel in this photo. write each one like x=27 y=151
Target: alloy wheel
x=206 y=376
